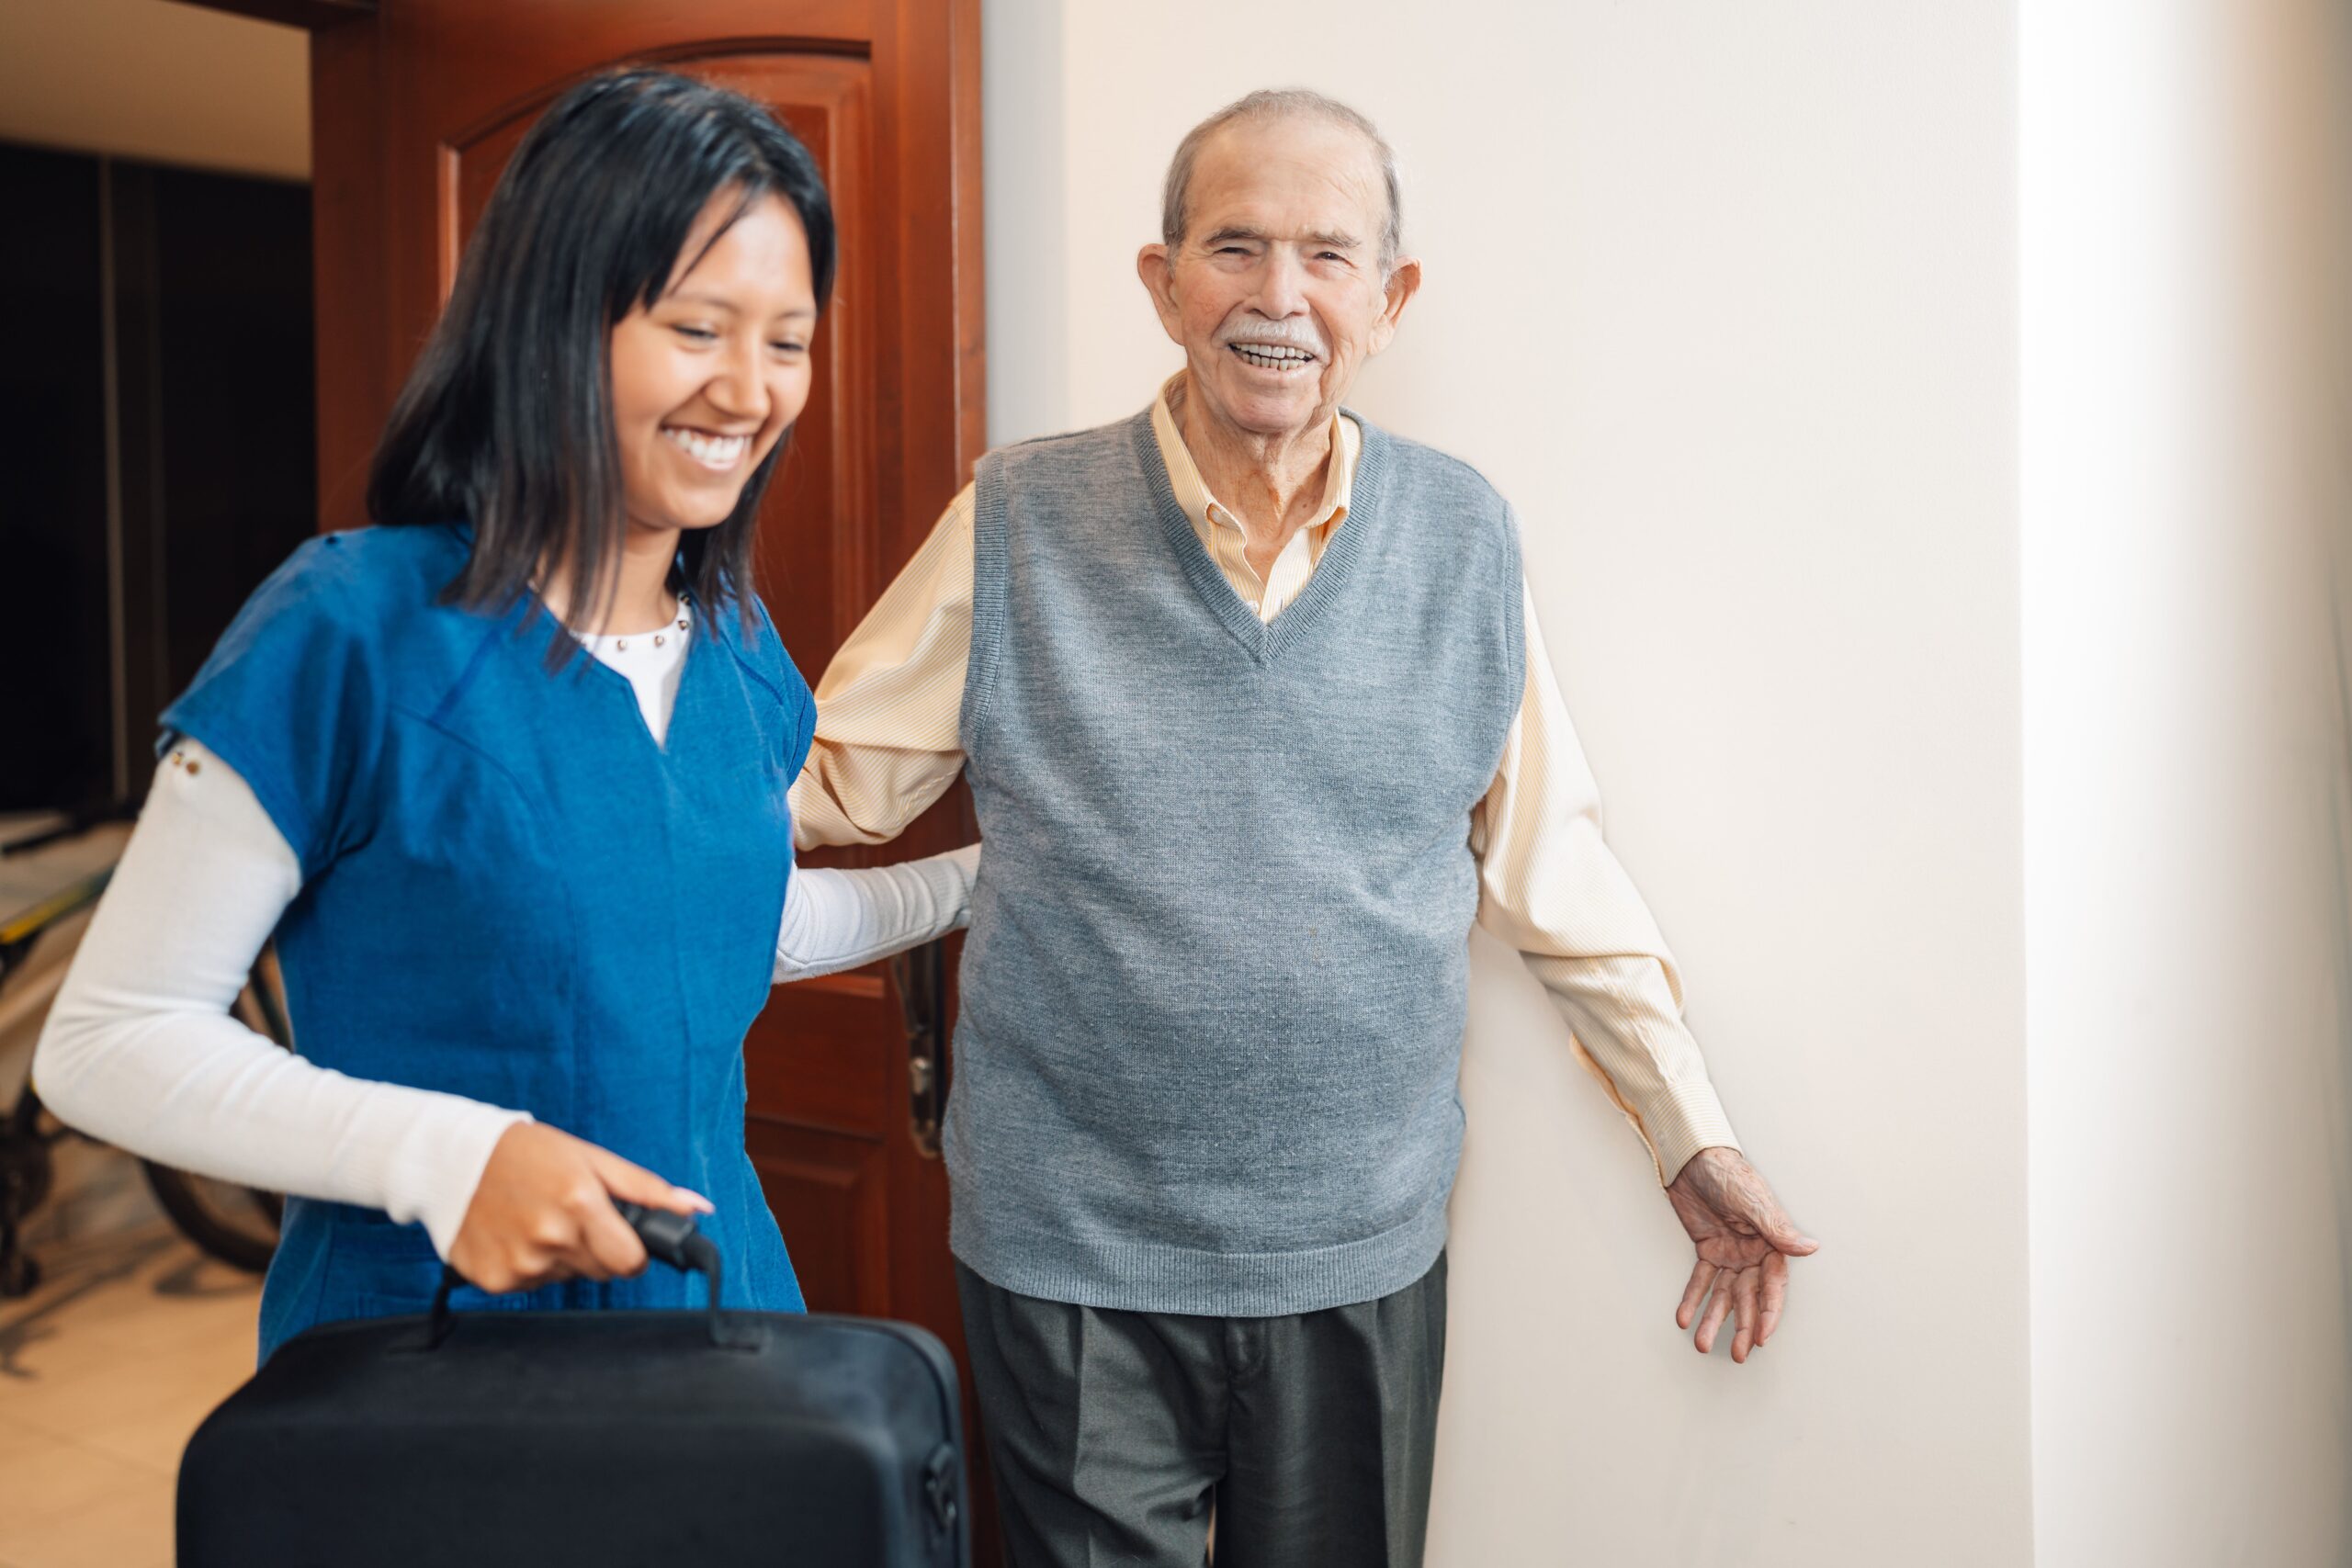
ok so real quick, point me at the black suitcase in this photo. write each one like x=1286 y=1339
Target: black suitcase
x=586 y=1439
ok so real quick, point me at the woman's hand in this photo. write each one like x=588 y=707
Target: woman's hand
x=544 y=1212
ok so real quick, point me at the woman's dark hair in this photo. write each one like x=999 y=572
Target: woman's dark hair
x=507 y=420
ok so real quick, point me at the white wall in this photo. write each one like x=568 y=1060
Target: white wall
x=1721 y=295
x=2185 y=465
x=150 y=79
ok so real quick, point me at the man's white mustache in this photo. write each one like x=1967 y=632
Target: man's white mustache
x=1276 y=334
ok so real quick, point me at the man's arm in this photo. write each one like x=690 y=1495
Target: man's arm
x=889 y=705
x=1550 y=888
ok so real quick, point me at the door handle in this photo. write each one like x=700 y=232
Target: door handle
x=920 y=976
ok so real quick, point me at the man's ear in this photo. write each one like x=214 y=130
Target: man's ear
x=1403 y=282
x=1158 y=271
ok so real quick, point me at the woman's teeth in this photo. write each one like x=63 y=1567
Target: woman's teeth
x=1272 y=356
x=710 y=451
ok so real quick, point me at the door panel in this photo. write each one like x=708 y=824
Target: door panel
x=831 y=1194
x=416 y=110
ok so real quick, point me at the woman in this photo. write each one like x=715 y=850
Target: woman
x=526 y=903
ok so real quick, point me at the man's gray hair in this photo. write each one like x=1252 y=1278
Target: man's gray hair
x=1281 y=103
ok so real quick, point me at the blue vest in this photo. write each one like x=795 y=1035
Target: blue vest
x=510 y=892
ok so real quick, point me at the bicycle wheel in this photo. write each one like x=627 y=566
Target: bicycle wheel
x=24 y=1177
x=236 y=1225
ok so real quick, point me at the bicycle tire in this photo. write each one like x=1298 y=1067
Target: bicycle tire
x=187 y=1200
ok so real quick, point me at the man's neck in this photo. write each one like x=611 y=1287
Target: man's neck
x=1271 y=483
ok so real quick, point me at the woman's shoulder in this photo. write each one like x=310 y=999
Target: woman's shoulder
x=750 y=635
x=382 y=568
x=361 y=586
x=293 y=696
x=746 y=629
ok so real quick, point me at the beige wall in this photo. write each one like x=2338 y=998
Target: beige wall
x=2188 y=487
x=153 y=79
x=1722 y=297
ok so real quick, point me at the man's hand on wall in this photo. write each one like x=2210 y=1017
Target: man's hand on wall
x=1745 y=1240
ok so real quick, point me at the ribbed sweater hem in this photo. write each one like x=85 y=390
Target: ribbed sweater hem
x=1129 y=1274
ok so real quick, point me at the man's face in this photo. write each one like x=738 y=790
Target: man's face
x=1275 y=292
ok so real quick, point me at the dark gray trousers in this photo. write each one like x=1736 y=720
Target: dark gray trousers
x=1112 y=1434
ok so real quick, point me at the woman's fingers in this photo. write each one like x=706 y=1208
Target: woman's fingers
x=1694 y=1294
x=609 y=1245
x=614 y=1247
x=635 y=1184
x=543 y=1212
x=501 y=1272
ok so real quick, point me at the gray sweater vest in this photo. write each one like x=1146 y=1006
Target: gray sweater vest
x=1213 y=991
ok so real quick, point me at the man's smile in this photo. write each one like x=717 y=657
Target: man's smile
x=1273 y=357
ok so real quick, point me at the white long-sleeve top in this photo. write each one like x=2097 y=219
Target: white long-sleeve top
x=140 y=1047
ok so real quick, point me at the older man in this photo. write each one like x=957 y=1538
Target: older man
x=1258 y=722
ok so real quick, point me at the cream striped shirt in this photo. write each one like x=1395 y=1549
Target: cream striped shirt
x=887 y=747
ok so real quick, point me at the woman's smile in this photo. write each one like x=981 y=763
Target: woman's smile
x=721 y=454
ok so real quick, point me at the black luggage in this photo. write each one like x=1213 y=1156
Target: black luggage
x=586 y=1439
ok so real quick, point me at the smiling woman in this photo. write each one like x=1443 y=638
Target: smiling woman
x=653 y=260
x=708 y=378
x=508 y=882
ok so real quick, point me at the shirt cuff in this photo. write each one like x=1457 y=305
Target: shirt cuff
x=440 y=1164
x=1679 y=1122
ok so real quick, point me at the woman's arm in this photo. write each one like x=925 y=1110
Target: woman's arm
x=839 y=919
x=141 y=1050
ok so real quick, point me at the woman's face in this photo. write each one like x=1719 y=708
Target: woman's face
x=708 y=377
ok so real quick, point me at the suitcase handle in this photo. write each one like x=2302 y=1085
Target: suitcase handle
x=671 y=1238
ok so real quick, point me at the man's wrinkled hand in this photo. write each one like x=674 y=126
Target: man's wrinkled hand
x=1744 y=1240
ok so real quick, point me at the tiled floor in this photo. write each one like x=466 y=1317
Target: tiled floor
x=105 y=1370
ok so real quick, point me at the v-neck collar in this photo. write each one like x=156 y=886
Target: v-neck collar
x=532 y=646
x=1265 y=640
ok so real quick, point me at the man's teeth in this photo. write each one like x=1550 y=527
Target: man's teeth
x=710 y=451
x=1272 y=356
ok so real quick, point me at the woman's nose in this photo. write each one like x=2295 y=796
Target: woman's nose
x=739 y=390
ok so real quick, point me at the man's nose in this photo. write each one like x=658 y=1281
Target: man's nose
x=1282 y=285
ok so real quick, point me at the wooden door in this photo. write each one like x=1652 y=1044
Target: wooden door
x=416 y=108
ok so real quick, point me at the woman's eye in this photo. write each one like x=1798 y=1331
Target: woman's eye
x=789 y=347
x=695 y=334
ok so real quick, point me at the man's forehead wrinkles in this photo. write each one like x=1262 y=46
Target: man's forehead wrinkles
x=1262 y=205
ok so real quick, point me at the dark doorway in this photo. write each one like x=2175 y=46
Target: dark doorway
x=157 y=426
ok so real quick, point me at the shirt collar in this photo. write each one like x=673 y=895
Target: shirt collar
x=1193 y=491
